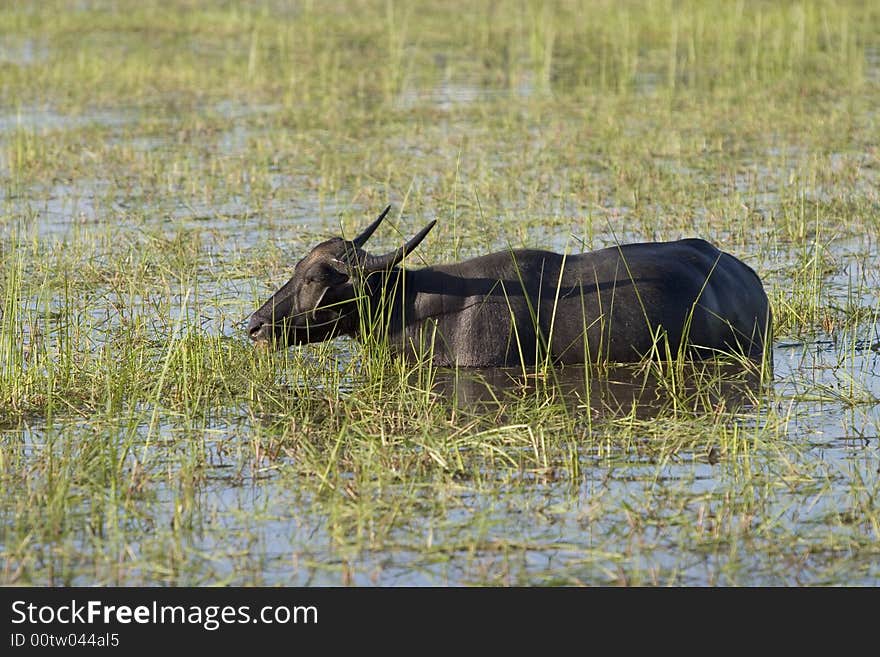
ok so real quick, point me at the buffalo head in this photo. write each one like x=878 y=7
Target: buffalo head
x=319 y=301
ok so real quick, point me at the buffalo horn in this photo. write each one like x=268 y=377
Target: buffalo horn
x=361 y=239
x=387 y=261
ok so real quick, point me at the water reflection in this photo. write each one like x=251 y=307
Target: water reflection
x=644 y=391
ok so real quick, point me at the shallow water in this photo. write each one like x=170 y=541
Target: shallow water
x=612 y=391
x=259 y=528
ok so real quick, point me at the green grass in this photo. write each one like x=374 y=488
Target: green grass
x=162 y=168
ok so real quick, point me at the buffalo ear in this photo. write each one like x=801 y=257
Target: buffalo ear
x=349 y=268
x=339 y=272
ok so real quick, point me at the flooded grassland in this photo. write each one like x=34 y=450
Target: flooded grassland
x=163 y=168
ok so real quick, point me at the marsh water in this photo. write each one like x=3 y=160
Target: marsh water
x=145 y=212
x=259 y=526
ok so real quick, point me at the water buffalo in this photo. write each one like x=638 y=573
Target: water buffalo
x=521 y=306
